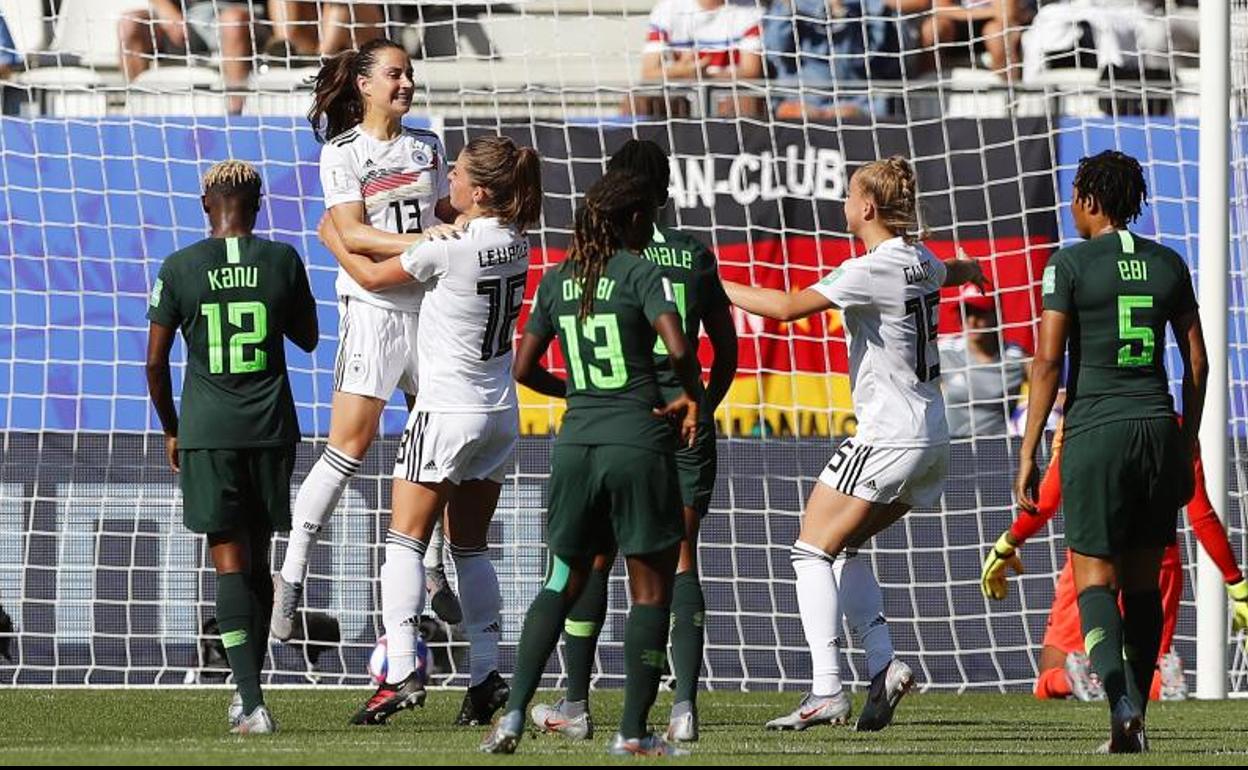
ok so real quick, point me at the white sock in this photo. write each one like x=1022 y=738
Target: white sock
x=317 y=497
x=818 y=603
x=482 y=602
x=863 y=605
x=402 y=600
x=433 y=556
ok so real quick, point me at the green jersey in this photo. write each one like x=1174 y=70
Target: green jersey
x=694 y=276
x=609 y=356
x=233 y=299
x=1119 y=291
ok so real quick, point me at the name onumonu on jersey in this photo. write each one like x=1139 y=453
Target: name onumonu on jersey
x=399 y=182
x=465 y=421
x=890 y=299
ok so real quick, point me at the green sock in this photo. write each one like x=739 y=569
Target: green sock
x=235 y=617
x=688 y=611
x=645 y=656
x=1141 y=639
x=1102 y=638
x=538 y=638
x=580 y=633
x=262 y=590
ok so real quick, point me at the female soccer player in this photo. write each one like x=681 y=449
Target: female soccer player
x=384 y=184
x=700 y=298
x=1127 y=465
x=613 y=478
x=457 y=446
x=899 y=457
x=234 y=296
x=1063 y=664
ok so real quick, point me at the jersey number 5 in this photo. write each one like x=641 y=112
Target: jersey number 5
x=926 y=318
x=1128 y=333
x=252 y=321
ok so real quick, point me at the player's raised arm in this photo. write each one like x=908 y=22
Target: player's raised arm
x=775 y=304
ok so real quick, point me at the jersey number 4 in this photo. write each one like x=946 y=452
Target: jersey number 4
x=252 y=321
x=506 y=297
x=926 y=312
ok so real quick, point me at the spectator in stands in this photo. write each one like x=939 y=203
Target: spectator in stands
x=219 y=27
x=703 y=41
x=831 y=49
x=341 y=26
x=998 y=24
x=981 y=381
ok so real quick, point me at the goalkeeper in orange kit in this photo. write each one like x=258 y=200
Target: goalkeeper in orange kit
x=1063 y=668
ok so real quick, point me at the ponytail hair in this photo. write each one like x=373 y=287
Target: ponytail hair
x=599 y=224
x=511 y=174
x=891 y=184
x=337 y=103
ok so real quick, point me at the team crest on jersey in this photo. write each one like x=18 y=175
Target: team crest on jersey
x=357 y=369
x=420 y=157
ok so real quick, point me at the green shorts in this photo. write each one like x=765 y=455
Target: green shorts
x=1123 y=484
x=226 y=489
x=600 y=494
x=696 y=468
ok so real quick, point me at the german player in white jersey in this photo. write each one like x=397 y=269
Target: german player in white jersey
x=900 y=455
x=385 y=186
x=459 y=439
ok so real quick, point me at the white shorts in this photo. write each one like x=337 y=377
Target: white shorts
x=376 y=350
x=913 y=475
x=457 y=446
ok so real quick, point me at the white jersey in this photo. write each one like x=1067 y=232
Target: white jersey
x=399 y=181
x=475 y=289
x=891 y=301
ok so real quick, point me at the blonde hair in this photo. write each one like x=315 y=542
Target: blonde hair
x=232 y=178
x=891 y=184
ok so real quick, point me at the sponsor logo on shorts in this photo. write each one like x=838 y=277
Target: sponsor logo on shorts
x=430 y=466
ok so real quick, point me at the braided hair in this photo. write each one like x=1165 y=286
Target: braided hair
x=1115 y=181
x=648 y=161
x=600 y=223
x=337 y=103
x=891 y=184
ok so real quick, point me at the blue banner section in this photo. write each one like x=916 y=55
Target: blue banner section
x=90 y=207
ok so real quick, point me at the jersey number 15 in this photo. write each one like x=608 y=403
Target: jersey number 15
x=926 y=312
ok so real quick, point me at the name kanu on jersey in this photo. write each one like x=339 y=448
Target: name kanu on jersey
x=510 y=253
x=802 y=172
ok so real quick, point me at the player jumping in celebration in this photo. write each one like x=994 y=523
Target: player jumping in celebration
x=1063 y=664
x=1127 y=463
x=613 y=477
x=700 y=298
x=384 y=184
x=234 y=296
x=459 y=438
x=900 y=455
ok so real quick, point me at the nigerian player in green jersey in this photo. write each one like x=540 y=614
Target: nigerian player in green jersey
x=701 y=301
x=613 y=478
x=1126 y=465
x=234 y=296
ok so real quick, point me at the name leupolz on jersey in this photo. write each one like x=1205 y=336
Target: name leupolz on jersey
x=505 y=295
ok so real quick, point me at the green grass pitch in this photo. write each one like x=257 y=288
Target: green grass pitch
x=83 y=726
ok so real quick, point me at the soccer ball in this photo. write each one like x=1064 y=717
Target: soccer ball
x=377 y=662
